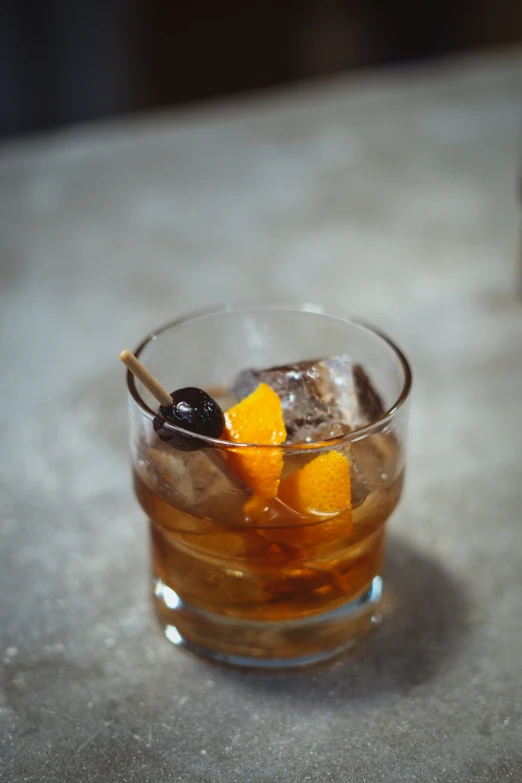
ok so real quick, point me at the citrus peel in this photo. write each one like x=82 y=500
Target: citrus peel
x=257 y=419
x=322 y=487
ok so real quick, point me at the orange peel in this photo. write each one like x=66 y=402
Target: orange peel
x=257 y=419
x=322 y=487
x=319 y=490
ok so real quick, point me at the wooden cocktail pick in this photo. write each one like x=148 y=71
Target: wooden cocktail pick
x=158 y=391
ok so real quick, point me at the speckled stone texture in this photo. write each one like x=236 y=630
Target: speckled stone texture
x=391 y=196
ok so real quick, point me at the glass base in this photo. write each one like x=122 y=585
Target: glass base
x=264 y=643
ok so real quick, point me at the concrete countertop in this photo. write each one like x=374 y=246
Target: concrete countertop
x=391 y=196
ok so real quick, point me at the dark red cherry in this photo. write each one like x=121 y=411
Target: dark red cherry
x=194 y=410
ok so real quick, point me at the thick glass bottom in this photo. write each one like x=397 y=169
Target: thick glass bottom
x=266 y=644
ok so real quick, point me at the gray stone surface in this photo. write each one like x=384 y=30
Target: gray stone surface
x=392 y=196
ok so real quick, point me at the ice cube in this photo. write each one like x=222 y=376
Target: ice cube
x=190 y=482
x=375 y=462
x=305 y=413
x=360 y=483
x=321 y=399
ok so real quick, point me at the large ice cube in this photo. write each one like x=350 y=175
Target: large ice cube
x=375 y=461
x=191 y=483
x=321 y=399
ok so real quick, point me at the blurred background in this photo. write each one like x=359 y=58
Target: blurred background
x=70 y=61
x=390 y=194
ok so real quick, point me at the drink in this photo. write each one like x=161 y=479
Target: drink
x=290 y=578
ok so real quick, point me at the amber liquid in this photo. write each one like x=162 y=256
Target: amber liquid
x=293 y=567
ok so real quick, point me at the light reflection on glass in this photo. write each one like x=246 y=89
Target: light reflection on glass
x=173 y=634
x=169 y=597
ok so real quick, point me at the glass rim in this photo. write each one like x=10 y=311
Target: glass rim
x=283 y=306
